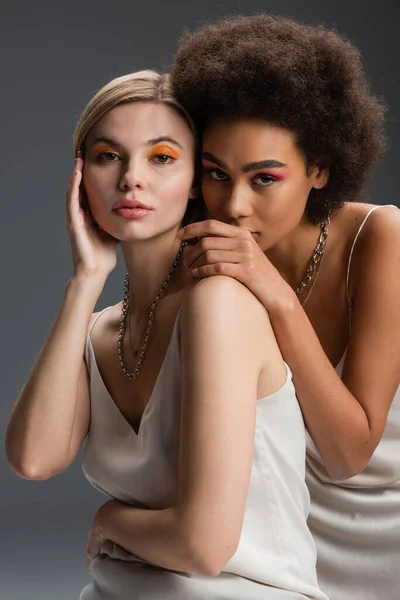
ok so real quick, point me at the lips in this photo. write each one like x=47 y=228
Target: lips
x=253 y=233
x=131 y=204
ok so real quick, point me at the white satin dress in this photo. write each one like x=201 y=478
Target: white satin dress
x=356 y=523
x=276 y=556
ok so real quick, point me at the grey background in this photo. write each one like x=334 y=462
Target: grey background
x=53 y=57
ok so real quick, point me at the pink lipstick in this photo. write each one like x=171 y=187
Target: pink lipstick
x=131 y=209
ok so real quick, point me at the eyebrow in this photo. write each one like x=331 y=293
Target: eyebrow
x=253 y=166
x=152 y=142
x=164 y=138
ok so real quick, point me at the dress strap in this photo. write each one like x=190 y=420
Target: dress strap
x=354 y=243
x=95 y=319
x=86 y=352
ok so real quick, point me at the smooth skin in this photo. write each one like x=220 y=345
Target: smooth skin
x=344 y=416
x=52 y=415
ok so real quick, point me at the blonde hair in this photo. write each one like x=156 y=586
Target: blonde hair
x=142 y=86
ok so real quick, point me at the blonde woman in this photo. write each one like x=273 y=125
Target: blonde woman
x=190 y=417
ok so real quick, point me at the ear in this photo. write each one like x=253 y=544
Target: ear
x=195 y=192
x=319 y=177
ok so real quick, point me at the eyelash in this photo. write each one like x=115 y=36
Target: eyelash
x=164 y=154
x=104 y=157
x=270 y=178
x=210 y=171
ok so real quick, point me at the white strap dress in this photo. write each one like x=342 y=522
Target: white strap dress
x=276 y=556
x=356 y=523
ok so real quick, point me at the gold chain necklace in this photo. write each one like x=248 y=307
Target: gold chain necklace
x=315 y=262
x=313 y=267
x=150 y=319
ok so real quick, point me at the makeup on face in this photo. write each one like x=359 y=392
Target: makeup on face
x=101 y=147
x=139 y=171
x=136 y=212
x=163 y=150
x=271 y=169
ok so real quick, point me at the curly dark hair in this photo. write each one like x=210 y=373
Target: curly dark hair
x=304 y=78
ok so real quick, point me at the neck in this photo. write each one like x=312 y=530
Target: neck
x=291 y=255
x=148 y=264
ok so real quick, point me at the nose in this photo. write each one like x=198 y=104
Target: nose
x=238 y=204
x=132 y=176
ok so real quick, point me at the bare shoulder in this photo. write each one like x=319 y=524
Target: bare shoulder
x=369 y=231
x=222 y=312
x=222 y=295
x=376 y=256
x=380 y=235
x=228 y=327
x=384 y=221
x=381 y=219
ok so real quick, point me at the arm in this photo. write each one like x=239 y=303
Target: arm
x=220 y=368
x=345 y=417
x=51 y=416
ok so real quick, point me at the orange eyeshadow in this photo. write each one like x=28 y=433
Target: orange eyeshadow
x=101 y=147
x=164 y=150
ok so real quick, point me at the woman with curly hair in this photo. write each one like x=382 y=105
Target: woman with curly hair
x=290 y=132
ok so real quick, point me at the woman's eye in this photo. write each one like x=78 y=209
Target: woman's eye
x=216 y=174
x=163 y=159
x=107 y=156
x=264 y=180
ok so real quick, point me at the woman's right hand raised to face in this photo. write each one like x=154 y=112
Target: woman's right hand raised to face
x=93 y=250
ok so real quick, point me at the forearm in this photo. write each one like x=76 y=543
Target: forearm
x=156 y=536
x=334 y=418
x=41 y=423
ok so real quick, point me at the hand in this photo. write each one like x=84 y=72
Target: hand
x=94 y=544
x=93 y=250
x=228 y=250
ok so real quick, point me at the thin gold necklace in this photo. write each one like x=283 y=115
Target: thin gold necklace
x=150 y=319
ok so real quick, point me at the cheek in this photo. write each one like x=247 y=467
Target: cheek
x=213 y=194
x=95 y=185
x=174 y=189
x=287 y=196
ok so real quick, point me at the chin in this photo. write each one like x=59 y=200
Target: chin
x=142 y=234
x=264 y=243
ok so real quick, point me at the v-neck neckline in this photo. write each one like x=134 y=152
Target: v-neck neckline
x=156 y=384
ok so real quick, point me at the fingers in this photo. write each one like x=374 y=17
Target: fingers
x=73 y=191
x=227 y=269
x=206 y=245
x=89 y=551
x=211 y=227
x=210 y=250
x=212 y=257
x=88 y=563
x=234 y=257
x=93 y=548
